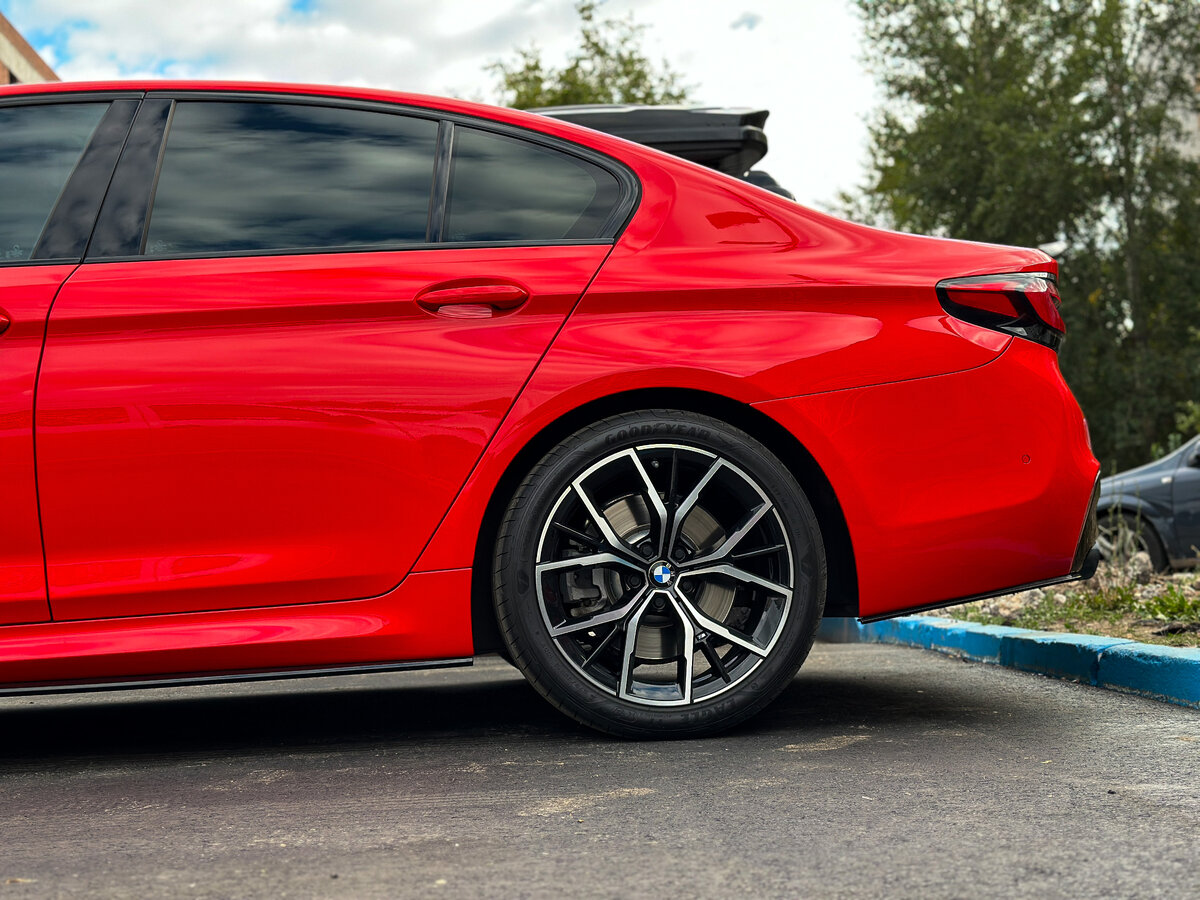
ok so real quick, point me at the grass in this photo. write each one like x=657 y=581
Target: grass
x=1156 y=609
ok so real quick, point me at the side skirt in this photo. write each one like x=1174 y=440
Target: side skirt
x=193 y=679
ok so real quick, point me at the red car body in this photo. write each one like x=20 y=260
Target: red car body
x=281 y=463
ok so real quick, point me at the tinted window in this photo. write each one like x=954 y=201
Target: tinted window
x=504 y=189
x=264 y=176
x=39 y=147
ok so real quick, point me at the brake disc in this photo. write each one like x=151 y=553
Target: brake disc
x=659 y=638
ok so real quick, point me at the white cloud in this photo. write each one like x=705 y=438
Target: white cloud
x=799 y=58
x=747 y=20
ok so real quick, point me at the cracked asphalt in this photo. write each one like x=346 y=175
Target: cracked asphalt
x=881 y=771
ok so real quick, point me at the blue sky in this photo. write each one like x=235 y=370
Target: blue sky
x=798 y=58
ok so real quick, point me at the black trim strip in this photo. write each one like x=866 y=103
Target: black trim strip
x=63 y=97
x=358 y=248
x=261 y=675
x=441 y=183
x=1091 y=529
x=162 y=149
x=122 y=223
x=10 y=263
x=1090 y=562
x=264 y=96
x=70 y=224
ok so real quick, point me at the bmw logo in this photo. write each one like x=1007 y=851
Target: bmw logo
x=662 y=574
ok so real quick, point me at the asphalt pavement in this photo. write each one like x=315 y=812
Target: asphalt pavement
x=881 y=772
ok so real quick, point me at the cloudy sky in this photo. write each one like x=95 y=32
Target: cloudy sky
x=798 y=58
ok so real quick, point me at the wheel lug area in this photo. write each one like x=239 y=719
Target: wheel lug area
x=658 y=603
x=633 y=581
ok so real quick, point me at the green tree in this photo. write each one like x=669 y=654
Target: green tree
x=1031 y=121
x=608 y=66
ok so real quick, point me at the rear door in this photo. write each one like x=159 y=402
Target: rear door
x=296 y=330
x=56 y=156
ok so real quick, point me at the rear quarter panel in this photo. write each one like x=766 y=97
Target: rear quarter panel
x=720 y=287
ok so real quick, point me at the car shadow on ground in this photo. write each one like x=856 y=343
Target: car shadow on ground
x=486 y=705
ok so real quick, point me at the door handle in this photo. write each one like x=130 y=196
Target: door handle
x=477 y=300
x=5 y=321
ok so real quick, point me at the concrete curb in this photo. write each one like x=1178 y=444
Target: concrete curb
x=1170 y=674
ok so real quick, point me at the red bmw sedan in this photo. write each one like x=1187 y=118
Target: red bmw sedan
x=305 y=380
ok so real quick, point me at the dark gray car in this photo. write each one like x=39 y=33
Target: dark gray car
x=1156 y=508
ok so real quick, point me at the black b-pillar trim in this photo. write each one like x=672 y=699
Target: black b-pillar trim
x=439 y=197
x=121 y=228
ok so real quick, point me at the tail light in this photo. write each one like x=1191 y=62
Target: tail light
x=1025 y=304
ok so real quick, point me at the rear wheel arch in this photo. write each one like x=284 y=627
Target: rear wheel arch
x=842 y=583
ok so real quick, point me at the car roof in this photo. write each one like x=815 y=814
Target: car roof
x=555 y=127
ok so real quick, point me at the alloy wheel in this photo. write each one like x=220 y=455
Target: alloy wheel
x=664 y=574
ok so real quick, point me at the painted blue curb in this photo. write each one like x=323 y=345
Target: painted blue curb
x=1171 y=674
x=1164 y=673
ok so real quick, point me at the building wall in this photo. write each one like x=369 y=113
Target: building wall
x=18 y=61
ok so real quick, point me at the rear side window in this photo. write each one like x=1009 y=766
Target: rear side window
x=39 y=147
x=267 y=176
x=506 y=189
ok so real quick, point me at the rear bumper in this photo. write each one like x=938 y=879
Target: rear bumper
x=1083 y=566
x=1087 y=569
x=956 y=487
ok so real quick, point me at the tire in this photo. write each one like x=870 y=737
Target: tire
x=1123 y=534
x=659 y=574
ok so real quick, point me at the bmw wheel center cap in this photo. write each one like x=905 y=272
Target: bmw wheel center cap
x=662 y=574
